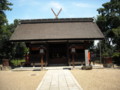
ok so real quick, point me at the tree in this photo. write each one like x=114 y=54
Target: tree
x=4 y=5
x=108 y=21
x=19 y=48
x=116 y=32
x=4 y=33
x=8 y=49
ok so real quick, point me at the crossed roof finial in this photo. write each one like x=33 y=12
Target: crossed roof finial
x=56 y=15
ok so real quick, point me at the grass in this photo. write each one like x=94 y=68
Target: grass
x=17 y=62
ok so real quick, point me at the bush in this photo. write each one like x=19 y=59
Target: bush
x=17 y=62
x=116 y=58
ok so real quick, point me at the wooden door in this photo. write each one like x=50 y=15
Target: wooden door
x=57 y=54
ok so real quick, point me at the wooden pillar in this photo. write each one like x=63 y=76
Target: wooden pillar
x=46 y=62
x=73 y=56
x=41 y=61
x=73 y=60
x=47 y=55
x=68 y=57
x=42 y=52
x=100 y=52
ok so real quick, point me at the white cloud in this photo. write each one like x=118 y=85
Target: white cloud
x=84 y=5
x=55 y=5
x=28 y=2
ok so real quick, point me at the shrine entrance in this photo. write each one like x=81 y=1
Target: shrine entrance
x=57 y=54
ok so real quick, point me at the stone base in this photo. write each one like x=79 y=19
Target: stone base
x=86 y=67
x=5 y=68
x=109 y=65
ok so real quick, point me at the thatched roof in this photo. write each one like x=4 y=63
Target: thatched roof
x=57 y=29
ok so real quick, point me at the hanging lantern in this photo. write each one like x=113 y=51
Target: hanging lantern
x=73 y=50
x=41 y=51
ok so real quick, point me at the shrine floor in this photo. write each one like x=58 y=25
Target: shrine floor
x=97 y=66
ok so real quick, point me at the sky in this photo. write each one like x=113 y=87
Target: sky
x=41 y=9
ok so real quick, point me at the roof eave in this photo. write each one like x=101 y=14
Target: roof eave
x=27 y=40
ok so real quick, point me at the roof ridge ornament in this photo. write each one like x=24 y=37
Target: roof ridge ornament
x=56 y=15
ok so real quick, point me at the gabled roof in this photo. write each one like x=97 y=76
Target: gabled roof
x=57 y=29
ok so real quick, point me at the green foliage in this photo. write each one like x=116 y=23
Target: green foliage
x=4 y=32
x=116 y=54
x=8 y=49
x=4 y=5
x=11 y=49
x=17 y=62
x=3 y=19
x=108 y=21
x=116 y=40
x=20 y=50
x=116 y=57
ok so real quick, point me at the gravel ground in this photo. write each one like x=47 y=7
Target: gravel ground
x=98 y=79
x=20 y=80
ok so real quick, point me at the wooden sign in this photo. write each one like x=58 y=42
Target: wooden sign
x=86 y=58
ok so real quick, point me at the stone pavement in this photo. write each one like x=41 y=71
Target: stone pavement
x=59 y=80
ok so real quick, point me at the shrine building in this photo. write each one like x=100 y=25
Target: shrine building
x=57 y=41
